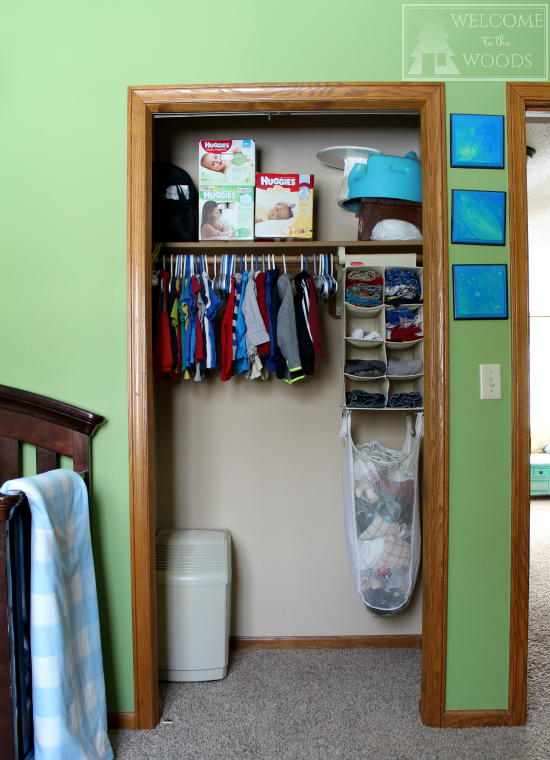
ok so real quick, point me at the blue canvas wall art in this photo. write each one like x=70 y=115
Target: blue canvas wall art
x=480 y=291
x=477 y=141
x=478 y=217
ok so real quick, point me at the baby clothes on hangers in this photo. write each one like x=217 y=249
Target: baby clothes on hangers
x=172 y=298
x=227 y=335
x=314 y=321
x=200 y=307
x=268 y=297
x=175 y=332
x=255 y=330
x=212 y=307
x=264 y=348
x=303 y=332
x=286 y=331
x=241 y=358
x=190 y=336
x=274 y=357
x=184 y=323
x=238 y=291
x=162 y=354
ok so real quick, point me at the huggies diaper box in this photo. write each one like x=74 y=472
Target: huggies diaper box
x=227 y=162
x=284 y=206
x=226 y=213
x=226 y=189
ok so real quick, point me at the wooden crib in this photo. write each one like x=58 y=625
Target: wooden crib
x=54 y=429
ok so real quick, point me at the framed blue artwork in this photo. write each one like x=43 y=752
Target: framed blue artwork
x=478 y=217
x=480 y=291
x=477 y=141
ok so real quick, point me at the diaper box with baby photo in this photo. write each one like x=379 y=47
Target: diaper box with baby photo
x=227 y=162
x=284 y=206
x=226 y=213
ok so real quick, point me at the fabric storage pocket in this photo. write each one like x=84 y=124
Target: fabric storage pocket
x=365 y=366
x=404 y=325
x=366 y=395
x=364 y=289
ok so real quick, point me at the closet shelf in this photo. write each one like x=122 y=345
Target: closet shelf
x=384 y=409
x=290 y=247
x=364 y=343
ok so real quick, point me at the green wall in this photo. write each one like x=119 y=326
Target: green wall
x=65 y=68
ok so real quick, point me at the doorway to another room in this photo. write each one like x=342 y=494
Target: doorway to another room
x=538 y=200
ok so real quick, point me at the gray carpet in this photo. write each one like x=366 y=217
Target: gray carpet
x=344 y=704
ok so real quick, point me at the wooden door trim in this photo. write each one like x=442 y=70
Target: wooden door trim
x=429 y=100
x=520 y=97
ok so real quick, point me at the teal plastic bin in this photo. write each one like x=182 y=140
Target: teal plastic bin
x=385 y=177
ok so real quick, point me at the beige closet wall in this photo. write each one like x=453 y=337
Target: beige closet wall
x=263 y=459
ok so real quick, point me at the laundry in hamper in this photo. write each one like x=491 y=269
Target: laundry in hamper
x=382 y=520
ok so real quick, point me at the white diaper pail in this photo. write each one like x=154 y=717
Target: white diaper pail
x=193 y=604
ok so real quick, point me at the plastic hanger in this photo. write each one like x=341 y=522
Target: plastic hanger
x=335 y=281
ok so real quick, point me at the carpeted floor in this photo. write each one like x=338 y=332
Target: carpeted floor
x=344 y=704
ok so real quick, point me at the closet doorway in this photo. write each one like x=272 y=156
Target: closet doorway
x=428 y=101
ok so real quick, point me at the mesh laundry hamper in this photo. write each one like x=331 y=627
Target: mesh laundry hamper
x=382 y=518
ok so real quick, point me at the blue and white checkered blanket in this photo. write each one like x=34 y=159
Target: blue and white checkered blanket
x=68 y=687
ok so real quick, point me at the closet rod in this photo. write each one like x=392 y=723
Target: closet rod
x=278 y=256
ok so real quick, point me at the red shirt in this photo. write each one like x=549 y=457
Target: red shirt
x=227 y=335
x=314 y=321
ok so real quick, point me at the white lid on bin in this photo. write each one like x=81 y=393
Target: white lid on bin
x=193 y=557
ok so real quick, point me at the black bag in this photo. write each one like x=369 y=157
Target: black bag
x=175 y=217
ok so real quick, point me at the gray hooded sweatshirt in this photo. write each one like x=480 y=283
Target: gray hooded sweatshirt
x=287 y=339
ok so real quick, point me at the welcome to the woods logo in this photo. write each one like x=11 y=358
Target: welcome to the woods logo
x=496 y=42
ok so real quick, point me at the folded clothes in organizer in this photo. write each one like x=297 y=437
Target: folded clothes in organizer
x=363 y=400
x=405 y=401
x=403 y=325
x=402 y=287
x=364 y=288
x=402 y=367
x=359 y=334
x=365 y=368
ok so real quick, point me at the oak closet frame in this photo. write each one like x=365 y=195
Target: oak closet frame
x=429 y=100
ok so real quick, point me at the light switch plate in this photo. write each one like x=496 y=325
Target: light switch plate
x=491 y=387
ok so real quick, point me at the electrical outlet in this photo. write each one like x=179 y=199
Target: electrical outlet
x=491 y=387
